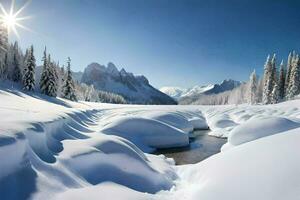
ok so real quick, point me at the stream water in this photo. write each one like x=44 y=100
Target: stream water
x=201 y=147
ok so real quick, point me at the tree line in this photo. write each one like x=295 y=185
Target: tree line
x=54 y=81
x=277 y=84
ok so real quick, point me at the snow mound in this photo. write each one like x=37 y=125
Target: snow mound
x=114 y=159
x=173 y=119
x=265 y=169
x=258 y=128
x=147 y=133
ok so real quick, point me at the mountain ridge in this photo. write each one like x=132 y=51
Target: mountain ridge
x=197 y=90
x=134 y=88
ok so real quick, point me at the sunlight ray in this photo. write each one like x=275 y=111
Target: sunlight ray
x=15 y=31
x=23 y=18
x=25 y=28
x=22 y=8
x=12 y=7
x=3 y=9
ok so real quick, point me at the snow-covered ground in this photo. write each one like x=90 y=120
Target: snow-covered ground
x=53 y=148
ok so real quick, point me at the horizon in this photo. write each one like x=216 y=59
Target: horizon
x=172 y=43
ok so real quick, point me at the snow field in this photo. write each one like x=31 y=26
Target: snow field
x=66 y=150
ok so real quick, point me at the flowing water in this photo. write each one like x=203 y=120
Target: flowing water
x=201 y=147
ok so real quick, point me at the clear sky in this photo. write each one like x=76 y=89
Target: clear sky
x=171 y=42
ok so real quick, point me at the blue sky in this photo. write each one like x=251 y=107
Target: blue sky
x=172 y=42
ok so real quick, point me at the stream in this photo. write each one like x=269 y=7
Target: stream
x=201 y=147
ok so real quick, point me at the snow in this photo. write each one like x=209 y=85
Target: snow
x=258 y=128
x=67 y=150
x=263 y=169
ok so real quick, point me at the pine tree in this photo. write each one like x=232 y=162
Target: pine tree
x=5 y=66
x=16 y=73
x=274 y=70
x=294 y=88
x=253 y=88
x=275 y=94
x=29 y=74
x=69 y=87
x=48 y=82
x=52 y=79
x=288 y=73
x=281 y=81
x=268 y=84
x=44 y=75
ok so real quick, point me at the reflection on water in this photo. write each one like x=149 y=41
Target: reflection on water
x=201 y=146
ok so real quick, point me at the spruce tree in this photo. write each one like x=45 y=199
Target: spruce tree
x=294 y=88
x=29 y=75
x=288 y=73
x=48 y=82
x=44 y=75
x=253 y=88
x=281 y=81
x=274 y=70
x=5 y=67
x=69 y=86
x=268 y=84
x=52 y=79
x=16 y=73
x=275 y=94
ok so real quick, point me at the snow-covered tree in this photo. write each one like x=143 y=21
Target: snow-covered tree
x=69 y=86
x=268 y=81
x=294 y=85
x=288 y=73
x=29 y=72
x=274 y=70
x=253 y=88
x=48 y=81
x=275 y=94
x=44 y=75
x=260 y=88
x=281 y=81
x=16 y=73
x=5 y=66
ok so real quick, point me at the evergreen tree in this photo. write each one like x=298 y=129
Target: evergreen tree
x=29 y=75
x=69 y=86
x=44 y=75
x=253 y=88
x=268 y=83
x=281 y=81
x=274 y=70
x=275 y=94
x=16 y=73
x=294 y=88
x=52 y=79
x=48 y=82
x=5 y=66
x=288 y=73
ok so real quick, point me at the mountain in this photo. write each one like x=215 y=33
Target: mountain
x=174 y=92
x=197 y=91
x=135 y=89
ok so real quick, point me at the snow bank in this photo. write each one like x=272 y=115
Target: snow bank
x=265 y=169
x=258 y=128
x=147 y=133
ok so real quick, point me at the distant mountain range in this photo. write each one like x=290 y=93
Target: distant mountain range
x=194 y=93
x=135 y=89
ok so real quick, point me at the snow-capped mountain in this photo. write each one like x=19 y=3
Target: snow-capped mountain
x=196 y=91
x=135 y=89
x=174 y=92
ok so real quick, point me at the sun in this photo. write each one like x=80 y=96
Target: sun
x=11 y=19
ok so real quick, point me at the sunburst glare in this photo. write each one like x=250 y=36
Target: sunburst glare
x=11 y=19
